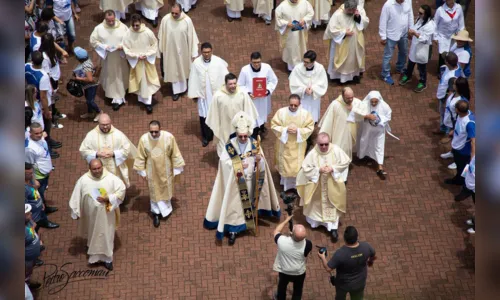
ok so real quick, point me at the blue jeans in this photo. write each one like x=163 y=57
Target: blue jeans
x=90 y=93
x=402 y=54
x=43 y=186
x=70 y=30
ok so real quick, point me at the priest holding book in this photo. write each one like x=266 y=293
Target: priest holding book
x=259 y=81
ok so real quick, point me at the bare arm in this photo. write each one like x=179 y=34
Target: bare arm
x=29 y=8
x=279 y=228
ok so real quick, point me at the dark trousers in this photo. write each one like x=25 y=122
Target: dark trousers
x=341 y=294
x=47 y=124
x=90 y=93
x=422 y=70
x=461 y=161
x=43 y=186
x=207 y=135
x=467 y=193
x=298 y=284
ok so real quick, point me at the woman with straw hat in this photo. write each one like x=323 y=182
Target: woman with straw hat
x=463 y=50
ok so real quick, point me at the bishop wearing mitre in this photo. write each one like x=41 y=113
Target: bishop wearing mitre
x=292 y=126
x=320 y=186
x=226 y=103
x=242 y=178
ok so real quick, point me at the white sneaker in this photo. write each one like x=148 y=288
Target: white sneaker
x=447 y=155
x=471 y=230
x=96 y=119
x=58 y=126
x=469 y=222
x=452 y=166
x=62 y=116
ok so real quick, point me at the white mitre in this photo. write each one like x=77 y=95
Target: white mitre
x=243 y=123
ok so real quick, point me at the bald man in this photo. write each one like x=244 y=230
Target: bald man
x=111 y=146
x=290 y=260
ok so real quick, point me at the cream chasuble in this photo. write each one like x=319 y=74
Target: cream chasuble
x=342 y=125
x=293 y=44
x=97 y=222
x=115 y=141
x=235 y=5
x=151 y=4
x=159 y=159
x=321 y=10
x=178 y=43
x=290 y=149
x=245 y=81
x=118 y=5
x=225 y=211
x=143 y=79
x=202 y=73
x=263 y=7
x=115 y=69
x=223 y=108
x=317 y=80
x=323 y=195
x=347 y=53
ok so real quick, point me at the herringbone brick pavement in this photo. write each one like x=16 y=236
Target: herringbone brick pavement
x=410 y=219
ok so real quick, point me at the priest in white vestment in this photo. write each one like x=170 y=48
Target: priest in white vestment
x=234 y=9
x=233 y=205
x=158 y=161
x=292 y=126
x=321 y=187
x=345 y=33
x=342 y=122
x=149 y=9
x=310 y=82
x=111 y=146
x=107 y=39
x=226 y=103
x=264 y=9
x=141 y=47
x=293 y=21
x=178 y=45
x=321 y=11
x=187 y=5
x=258 y=69
x=205 y=78
x=95 y=202
x=377 y=115
x=120 y=7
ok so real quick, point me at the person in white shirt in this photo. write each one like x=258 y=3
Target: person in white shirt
x=395 y=20
x=258 y=69
x=448 y=72
x=463 y=50
x=421 y=34
x=449 y=19
x=65 y=10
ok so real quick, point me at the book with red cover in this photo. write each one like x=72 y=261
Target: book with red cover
x=259 y=87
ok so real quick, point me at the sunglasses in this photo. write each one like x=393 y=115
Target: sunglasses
x=154 y=132
x=323 y=145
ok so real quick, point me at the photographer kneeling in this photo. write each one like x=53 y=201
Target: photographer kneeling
x=350 y=261
x=290 y=261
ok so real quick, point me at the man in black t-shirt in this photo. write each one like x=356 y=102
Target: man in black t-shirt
x=351 y=262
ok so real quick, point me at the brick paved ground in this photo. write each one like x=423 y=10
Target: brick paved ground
x=410 y=218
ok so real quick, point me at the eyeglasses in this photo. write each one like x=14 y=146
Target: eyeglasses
x=154 y=131
x=323 y=145
x=294 y=105
x=243 y=136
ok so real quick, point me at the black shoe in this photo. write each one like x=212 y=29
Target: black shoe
x=156 y=220
x=34 y=285
x=155 y=22
x=42 y=248
x=229 y=19
x=55 y=144
x=116 y=106
x=54 y=154
x=356 y=79
x=452 y=181
x=38 y=262
x=176 y=97
x=335 y=236
x=232 y=238
x=149 y=109
x=193 y=6
x=109 y=265
x=462 y=196
x=50 y=209
x=204 y=143
x=381 y=174
x=47 y=224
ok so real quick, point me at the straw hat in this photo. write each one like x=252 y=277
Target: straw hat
x=462 y=35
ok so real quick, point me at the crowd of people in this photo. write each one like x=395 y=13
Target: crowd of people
x=312 y=152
